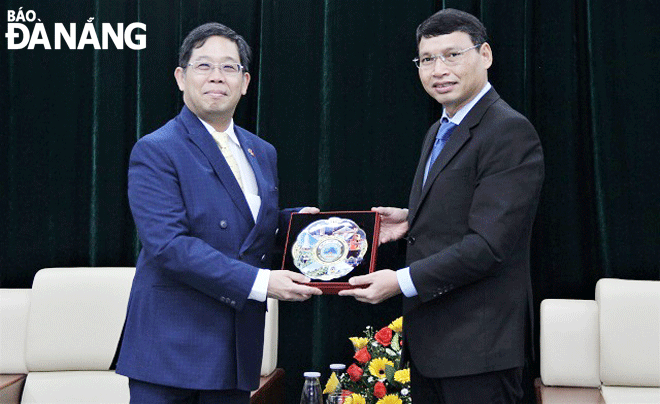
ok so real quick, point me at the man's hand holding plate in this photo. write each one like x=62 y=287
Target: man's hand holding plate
x=393 y=223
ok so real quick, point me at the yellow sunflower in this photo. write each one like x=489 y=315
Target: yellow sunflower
x=332 y=383
x=377 y=367
x=402 y=376
x=397 y=325
x=390 y=399
x=359 y=342
x=354 y=399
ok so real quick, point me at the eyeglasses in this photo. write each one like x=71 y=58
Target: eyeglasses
x=207 y=67
x=450 y=58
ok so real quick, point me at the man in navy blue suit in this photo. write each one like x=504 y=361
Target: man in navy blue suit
x=204 y=197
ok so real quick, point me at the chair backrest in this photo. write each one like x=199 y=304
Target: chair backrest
x=629 y=317
x=569 y=343
x=14 y=307
x=76 y=317
x=72 y=320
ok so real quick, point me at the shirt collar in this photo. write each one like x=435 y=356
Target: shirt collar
x=461 y=113
x=230 y=131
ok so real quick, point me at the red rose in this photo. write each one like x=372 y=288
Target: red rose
x=355 y=372
x=362 y=355
x=384 y=336
x=380 y=390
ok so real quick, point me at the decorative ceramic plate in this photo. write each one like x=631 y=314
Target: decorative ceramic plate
x=329 y=248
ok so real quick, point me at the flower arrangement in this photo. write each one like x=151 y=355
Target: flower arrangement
x=374 y=378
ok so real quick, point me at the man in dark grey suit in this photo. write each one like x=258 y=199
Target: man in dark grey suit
x=468 y=298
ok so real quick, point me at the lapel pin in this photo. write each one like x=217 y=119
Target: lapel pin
x=251 y=152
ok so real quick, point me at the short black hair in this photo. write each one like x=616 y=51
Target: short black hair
x=199 y=35
x=451 y=20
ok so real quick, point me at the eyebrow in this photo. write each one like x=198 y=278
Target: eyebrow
x=443 y=51
x=211 y=59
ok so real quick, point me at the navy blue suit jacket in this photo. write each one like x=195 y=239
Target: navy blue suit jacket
x=190 y=323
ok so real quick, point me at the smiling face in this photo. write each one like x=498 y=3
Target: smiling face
x=454 y=86
x=213 y=96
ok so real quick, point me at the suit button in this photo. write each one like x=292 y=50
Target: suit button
x=263 y=258
x=277 y=231
x=411 y=240
x=223 y=224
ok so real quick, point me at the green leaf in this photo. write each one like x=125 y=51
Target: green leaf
x=395 y=340
x=389 y=373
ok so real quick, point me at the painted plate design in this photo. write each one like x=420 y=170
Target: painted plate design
x=330 y=248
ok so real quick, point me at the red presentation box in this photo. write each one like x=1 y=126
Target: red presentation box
x=332 y=247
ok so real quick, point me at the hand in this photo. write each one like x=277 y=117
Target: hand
x=380 y=286
x=310 y=209
x=393 y=223
x=286 y=285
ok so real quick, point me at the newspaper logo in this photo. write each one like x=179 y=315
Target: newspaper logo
x=20 y=36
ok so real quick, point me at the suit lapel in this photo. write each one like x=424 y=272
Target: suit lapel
x=249 y=149
x=416 y=191
x=204 y=141
x=460 y=135
x=458 y=138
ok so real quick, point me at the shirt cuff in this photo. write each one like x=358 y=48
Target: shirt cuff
x=405 y=282
x=259 y=290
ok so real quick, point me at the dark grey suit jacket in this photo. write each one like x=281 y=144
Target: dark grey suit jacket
x=469 y=244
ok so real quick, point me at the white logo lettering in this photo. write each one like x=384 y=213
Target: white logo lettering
x=88 y=36
x=20 y=35
x=61 y=33
x=115 y=36
x=12 y=35
x=141 y=39
x=39 y=37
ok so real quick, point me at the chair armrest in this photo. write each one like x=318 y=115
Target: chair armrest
x=11 y=388
x=271 y=389
x=629 y=320
x=14 y=310
x=271 y=329
x=570 y=343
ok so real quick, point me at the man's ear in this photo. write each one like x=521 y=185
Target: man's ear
x=179 y=75
x=487 y=54
x=246 y=81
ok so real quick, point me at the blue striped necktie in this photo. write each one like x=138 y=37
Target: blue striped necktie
x=445 y=130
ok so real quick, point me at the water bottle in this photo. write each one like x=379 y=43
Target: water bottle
x=311 y=392
x=336 y=397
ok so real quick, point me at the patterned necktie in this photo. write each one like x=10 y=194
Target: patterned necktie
x=445 y=130
x=223 y=143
